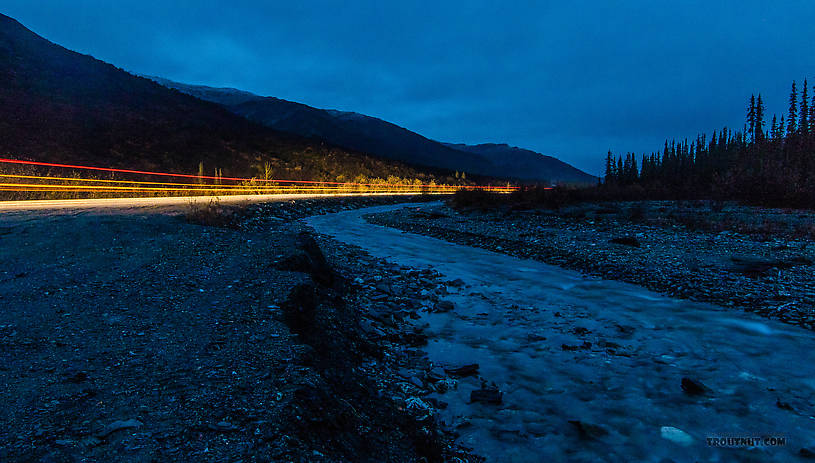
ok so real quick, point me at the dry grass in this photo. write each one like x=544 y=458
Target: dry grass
x=213 y=214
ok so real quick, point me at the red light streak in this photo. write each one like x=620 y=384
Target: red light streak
x=167 y=174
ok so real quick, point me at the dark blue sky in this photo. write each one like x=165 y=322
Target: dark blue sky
x=570 y=79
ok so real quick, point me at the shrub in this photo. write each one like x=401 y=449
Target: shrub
x=212 y=214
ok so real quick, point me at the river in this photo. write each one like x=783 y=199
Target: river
x=591 y=369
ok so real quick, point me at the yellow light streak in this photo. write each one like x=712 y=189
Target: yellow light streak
x=198 y=185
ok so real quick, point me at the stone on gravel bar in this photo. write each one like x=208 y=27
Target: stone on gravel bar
x=676 y=435
x=436 y=374
x=416 y=381
x=444 y=306
x=118 y=426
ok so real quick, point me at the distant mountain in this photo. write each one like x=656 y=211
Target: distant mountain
x=60 y=106
x=525 y=164
x=386 y=140
x=350 y=130
x=222 y=96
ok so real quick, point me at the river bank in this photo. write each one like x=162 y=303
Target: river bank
x=136 y=336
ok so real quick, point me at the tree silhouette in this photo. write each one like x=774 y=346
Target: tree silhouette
x=803 y=125
x=775 y=167
x=793 y=113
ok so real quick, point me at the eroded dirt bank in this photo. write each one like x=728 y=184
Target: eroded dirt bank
x=140 y=337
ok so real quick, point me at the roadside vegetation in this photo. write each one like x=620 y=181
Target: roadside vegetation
x=26 y=182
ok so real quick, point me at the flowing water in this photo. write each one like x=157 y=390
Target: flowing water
x=528 y=325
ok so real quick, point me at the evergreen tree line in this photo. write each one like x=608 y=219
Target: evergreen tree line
x=768 y=164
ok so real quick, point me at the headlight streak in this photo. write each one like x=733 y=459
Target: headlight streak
x=206 y=177
x=61 y=186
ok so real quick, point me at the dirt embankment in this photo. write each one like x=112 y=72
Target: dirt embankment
x=141 y=337
x=759 y=260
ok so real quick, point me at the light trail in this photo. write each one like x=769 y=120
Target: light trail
x=169 y=203
x=199 y=185
x=135 y=182
x=167 y=174
x=202 y=188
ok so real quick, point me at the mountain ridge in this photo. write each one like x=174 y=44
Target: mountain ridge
x=525 y=164
x=61 y=106
x=384 y=139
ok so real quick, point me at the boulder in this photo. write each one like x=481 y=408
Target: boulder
x=693 y=387
x=487 y=394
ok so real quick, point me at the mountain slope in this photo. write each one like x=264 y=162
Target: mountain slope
x=61 y=106
x=384 y=139
x=350 y=130
x=525 y=164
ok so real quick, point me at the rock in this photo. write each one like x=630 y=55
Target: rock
x=567 y=347
x=74 y=375
x=588 y=430
x=444 y=306
x=420 y=409
x=676 y=435
x=807 y=452
x=416 y=381
x=488 y=395
x=626 y=240
x=758 y=266
x=464 y=370
x=436 y=374
x=783 y=405
x=436 y=403
x=118 y=426
x=457 y=283
x=383 y=288
x=225 y=426
x=693 y=387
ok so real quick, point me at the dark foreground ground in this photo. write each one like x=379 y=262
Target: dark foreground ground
x=140 y=337
x=752 y=259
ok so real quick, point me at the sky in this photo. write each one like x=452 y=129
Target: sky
x=571 y=79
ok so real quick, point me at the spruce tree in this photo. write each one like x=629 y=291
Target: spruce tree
x=758 y=134
x=751 y=117
x=781 y=127
x=610 y=174
x=812 y=114
x=803 y=125
x=793 y=113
